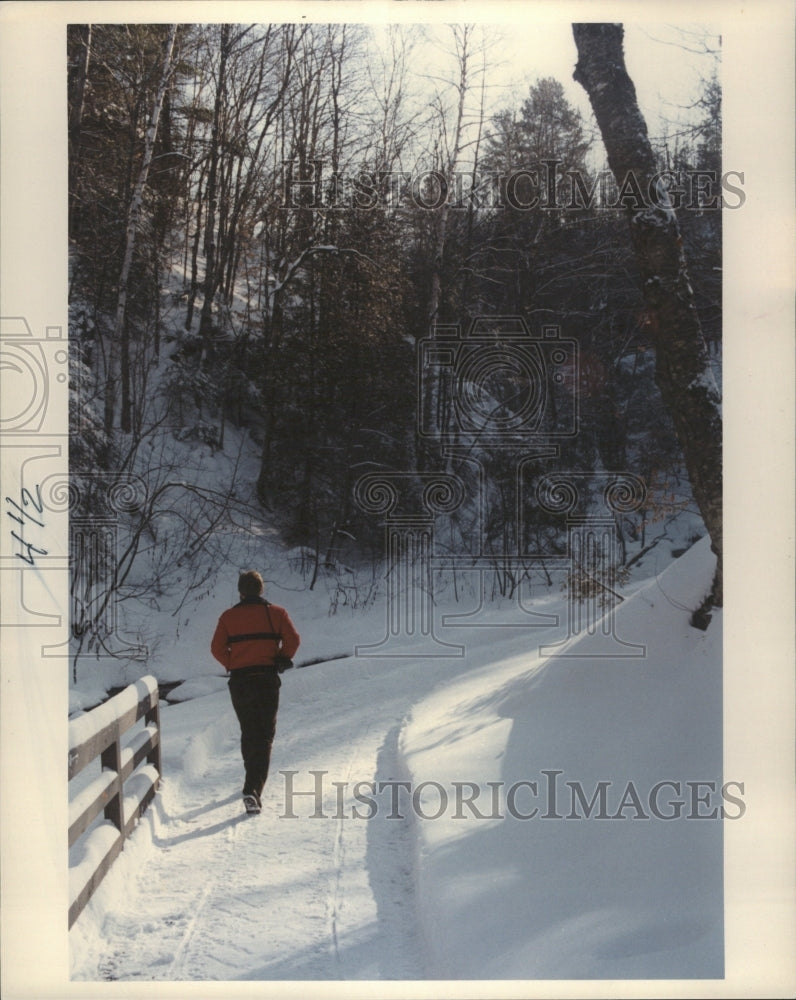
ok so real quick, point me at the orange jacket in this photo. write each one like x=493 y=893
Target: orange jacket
x=252 y=633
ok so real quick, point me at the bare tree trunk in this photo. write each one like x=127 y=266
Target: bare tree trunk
x=683 y=372
x=449 y=160
x=462 y=37
x=119 y=337
x=194 y=284
x=77 y=89
x=210 y=246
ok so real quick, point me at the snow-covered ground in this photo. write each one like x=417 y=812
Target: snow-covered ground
x=409 y=830
x=412 y=857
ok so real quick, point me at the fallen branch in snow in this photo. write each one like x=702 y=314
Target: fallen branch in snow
x=601 y=585
x=323 y=659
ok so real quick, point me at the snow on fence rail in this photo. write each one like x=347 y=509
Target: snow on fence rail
x=122 y=789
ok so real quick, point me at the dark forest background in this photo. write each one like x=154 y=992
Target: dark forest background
x=209 y=290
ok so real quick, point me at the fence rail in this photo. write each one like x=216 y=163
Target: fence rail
x=122 y=790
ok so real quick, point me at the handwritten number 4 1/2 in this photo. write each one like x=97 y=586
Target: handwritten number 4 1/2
x=21 y=513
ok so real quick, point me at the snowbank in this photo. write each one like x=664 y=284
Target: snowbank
x=596 y=852
x=197 y=687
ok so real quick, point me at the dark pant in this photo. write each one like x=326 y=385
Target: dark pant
x=255 y=698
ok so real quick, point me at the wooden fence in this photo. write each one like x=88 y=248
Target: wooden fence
x=122 y=790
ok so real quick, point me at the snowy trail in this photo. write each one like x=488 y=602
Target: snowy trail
x=323 y=887
x=303 y=891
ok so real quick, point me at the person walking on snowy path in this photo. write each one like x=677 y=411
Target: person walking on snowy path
x=255 y=641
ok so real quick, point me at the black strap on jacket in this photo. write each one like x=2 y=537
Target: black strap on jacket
x=254 y=635
x=248 y=636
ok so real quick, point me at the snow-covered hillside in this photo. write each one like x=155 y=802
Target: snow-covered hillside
x=410 y=858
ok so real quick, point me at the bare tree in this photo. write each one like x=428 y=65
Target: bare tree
x=210 y=246
x=120 y=342
x=451 y=126
x=395 y=122
x=683 y=371
x=79 y=62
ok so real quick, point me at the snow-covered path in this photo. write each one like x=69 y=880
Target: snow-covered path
x=207 y=893
x=343 y=877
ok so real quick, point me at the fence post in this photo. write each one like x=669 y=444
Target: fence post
x=152 y=717
x=111 y=760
